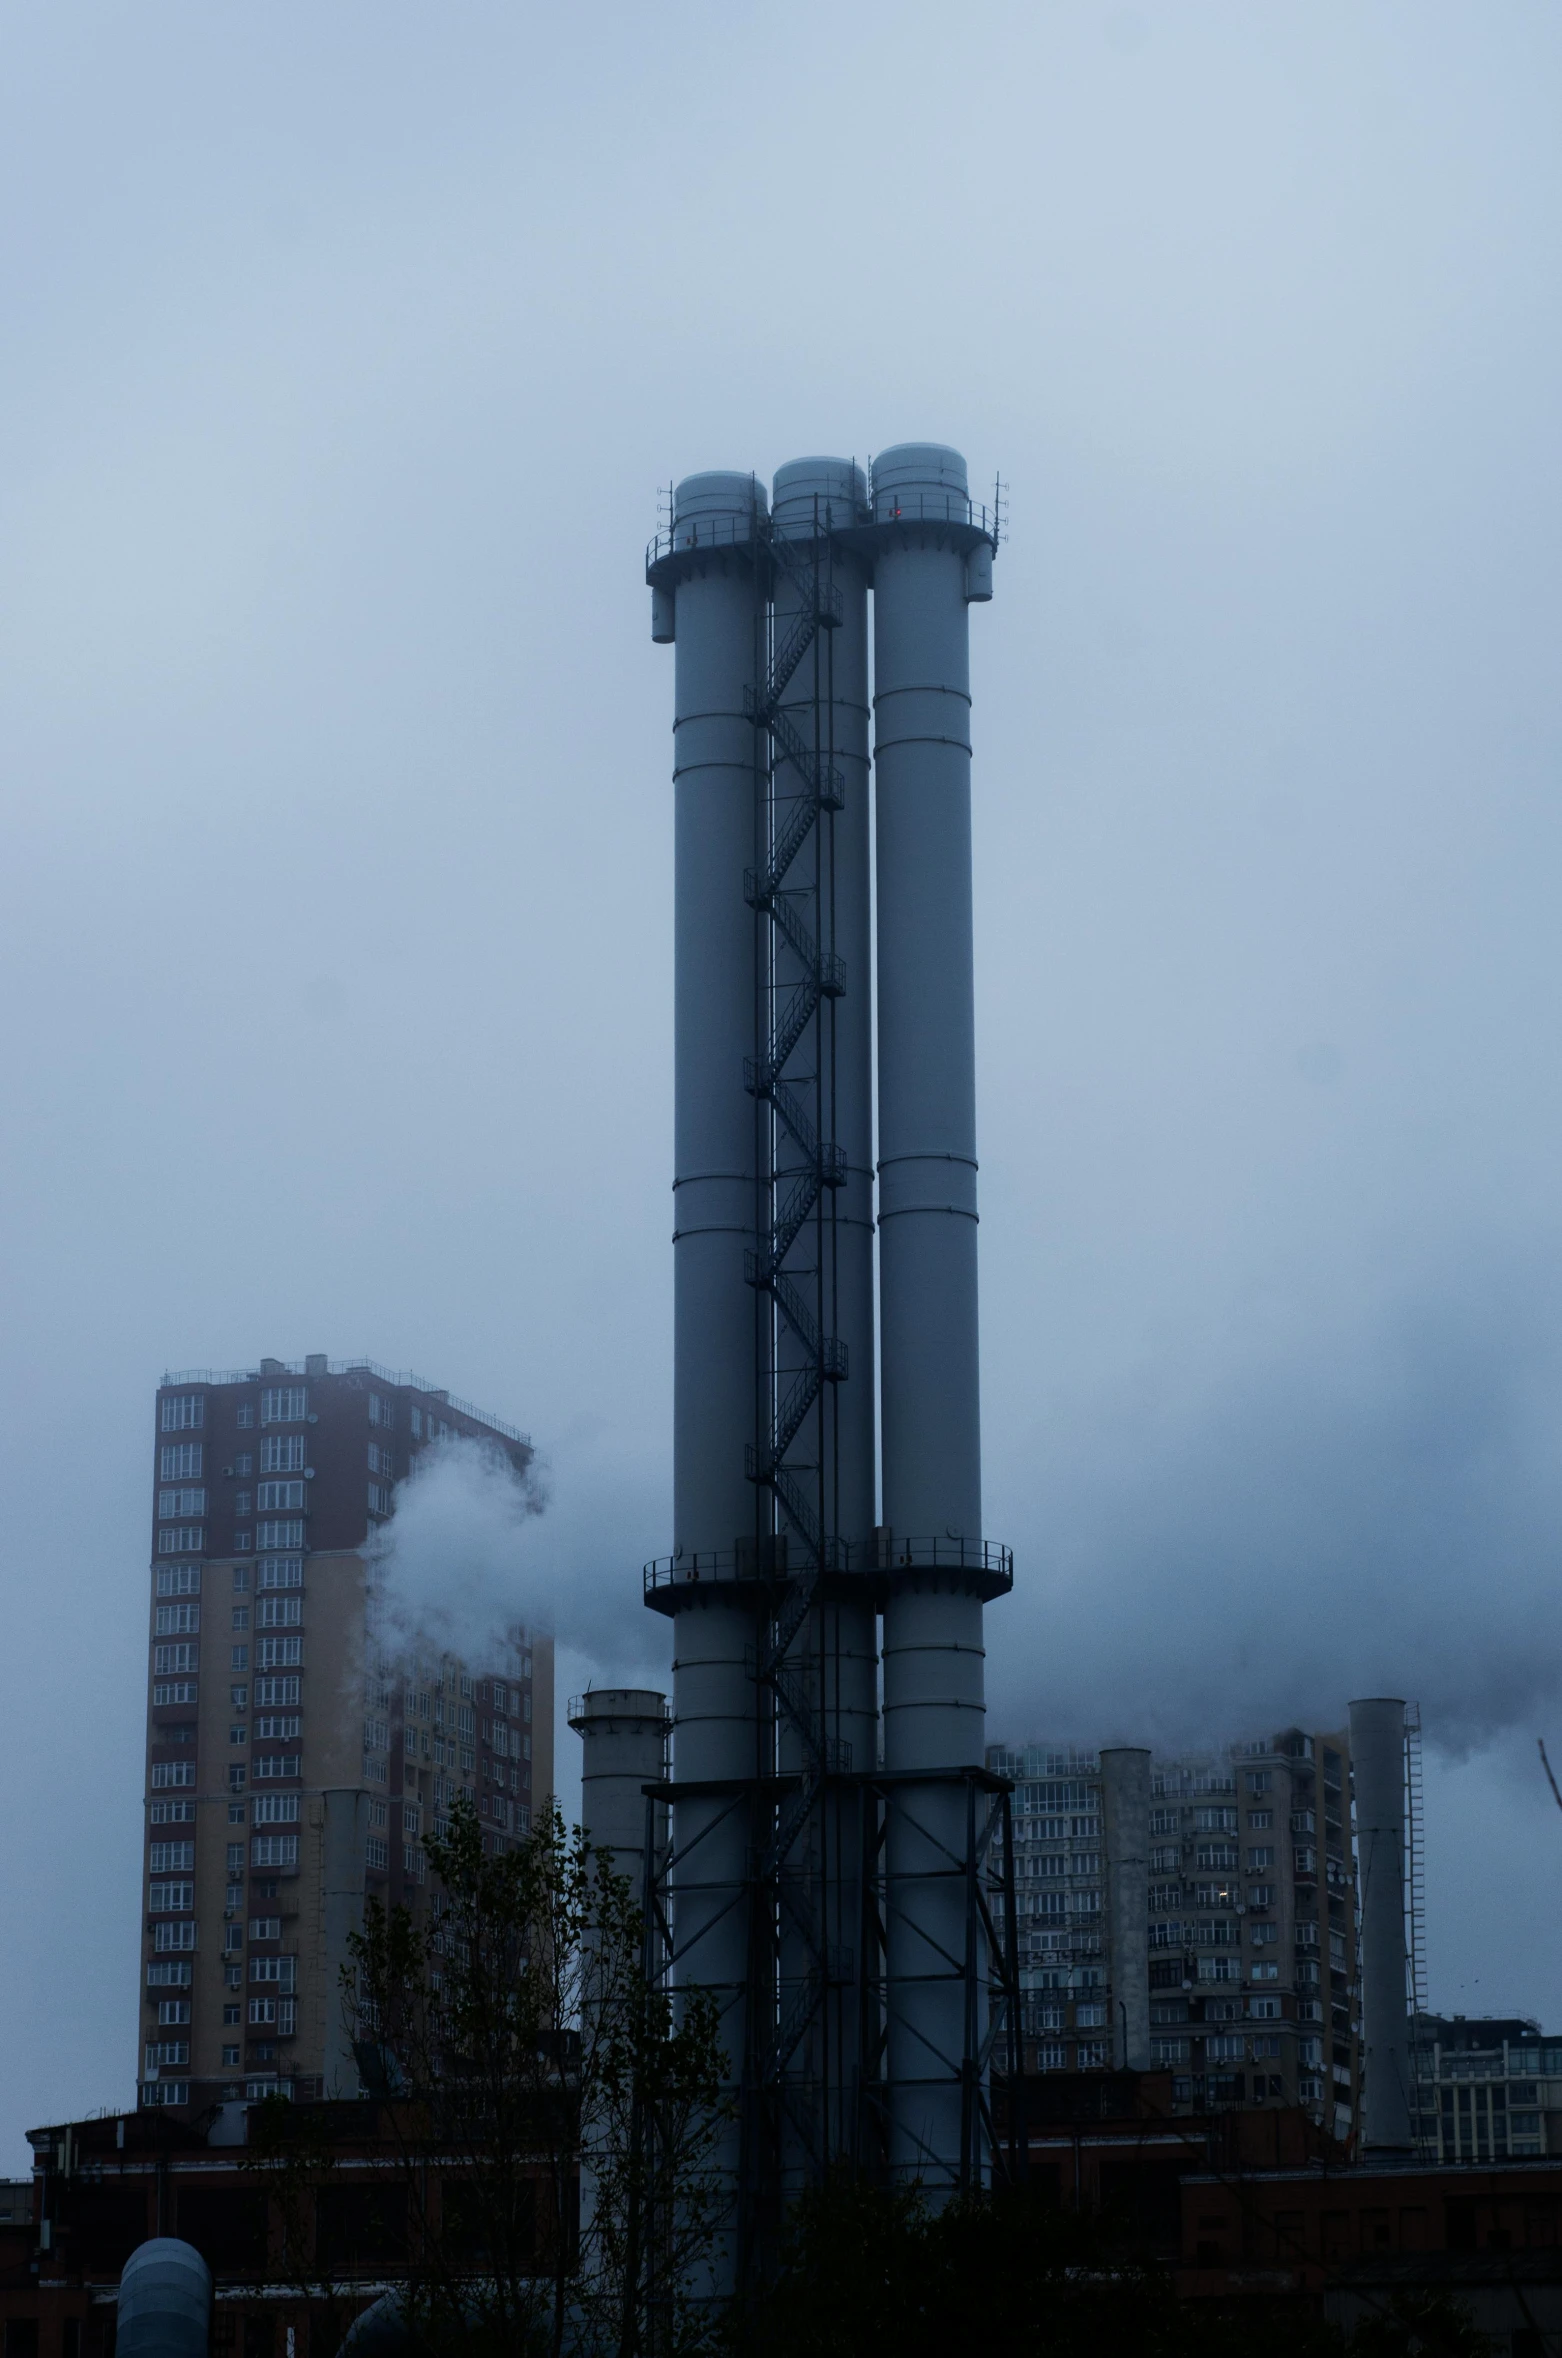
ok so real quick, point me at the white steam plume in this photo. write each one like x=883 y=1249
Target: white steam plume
x=457 y=1566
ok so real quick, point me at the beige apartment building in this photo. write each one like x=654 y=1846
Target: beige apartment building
x=1195 y=1915
x=294 y=1765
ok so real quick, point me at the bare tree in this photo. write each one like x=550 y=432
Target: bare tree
x=518 y=2049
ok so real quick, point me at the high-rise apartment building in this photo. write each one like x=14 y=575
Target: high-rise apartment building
x=1193 y=1915
x=297 y=1760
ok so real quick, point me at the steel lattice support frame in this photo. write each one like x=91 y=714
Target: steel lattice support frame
x=986 y=1972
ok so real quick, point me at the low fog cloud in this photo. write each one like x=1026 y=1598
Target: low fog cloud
x=1361 y=1506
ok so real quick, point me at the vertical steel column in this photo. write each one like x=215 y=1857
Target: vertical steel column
x=1377 y=1746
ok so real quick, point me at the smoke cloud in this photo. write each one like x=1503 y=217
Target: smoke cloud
x=456 y=1567
x=473 y=1548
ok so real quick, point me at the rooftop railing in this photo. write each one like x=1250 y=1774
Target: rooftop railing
x=403 y=1378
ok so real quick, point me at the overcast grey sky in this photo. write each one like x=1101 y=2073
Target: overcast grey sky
x=344 y=348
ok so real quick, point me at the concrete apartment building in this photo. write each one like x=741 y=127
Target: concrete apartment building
x=1489 y=2088
x=1195 y=1916
x=295 y=1764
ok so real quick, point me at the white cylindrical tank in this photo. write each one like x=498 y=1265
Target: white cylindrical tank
x=1125 y=1832
x=1377 y=1746
x=930 y=1410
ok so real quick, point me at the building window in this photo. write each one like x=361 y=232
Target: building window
x=170 y=1899
x=174 y=1690
x=279 y=1652
x=274 y=1850
x=173 y=1936
x=382 y=1461
x=1263 y=1936
x=180 y=1461
x=382 y=1411
x=282 y=1572
x=236 y=1777
x=230 y=2055
x=287 y=1404
x=173 y=1503
x=238 y=1657
x=181 y=1539
x=277 y=1730
x=235 y=1813
x=173 y=2010
x=278 y=1764
x=1168 y=2051
x=273 y=1498
x=376 y=1851
x=282 y=1453
x=168 y=1977
x=1091 y=2055
x=238 y=1735
x=172 y=1858
x=241 y=1616
x=185 y=1412
x=172 y=1813
x=170 y=1619
x=281 y=1612
x=1259 y=1821
x=274 y=1809
x=379 y=1499
x=265 y=1928
x=279 y=1535
x=172 y=1772
x=246 y=1416
x=276 y=1690
x=179 y=1580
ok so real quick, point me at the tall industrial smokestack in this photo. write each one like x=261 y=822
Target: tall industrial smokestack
x=715 y=1360
x=827 y=1860
x=1377 y=1745
x=934 y=1703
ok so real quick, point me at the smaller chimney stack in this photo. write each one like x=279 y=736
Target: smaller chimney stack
x=1377 y=1744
